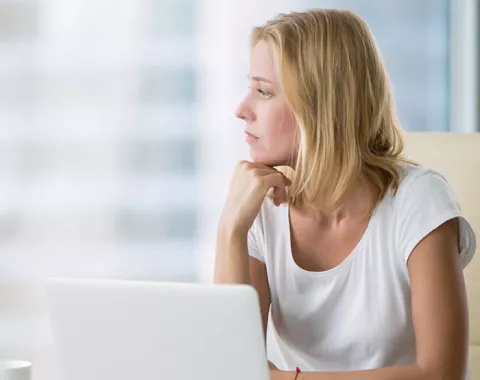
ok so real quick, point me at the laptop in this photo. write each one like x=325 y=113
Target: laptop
x=124 y=330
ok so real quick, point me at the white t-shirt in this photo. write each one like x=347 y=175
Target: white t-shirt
x=358 y=314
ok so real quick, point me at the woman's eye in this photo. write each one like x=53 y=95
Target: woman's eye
x=264 y=94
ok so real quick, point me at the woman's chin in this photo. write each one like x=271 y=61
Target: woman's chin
x=268 y=161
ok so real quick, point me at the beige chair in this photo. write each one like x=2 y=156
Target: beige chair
x=457 y=157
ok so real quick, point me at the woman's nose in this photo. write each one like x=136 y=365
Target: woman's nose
x=244 y=112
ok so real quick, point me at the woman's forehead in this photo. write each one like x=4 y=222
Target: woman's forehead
x=261 y=62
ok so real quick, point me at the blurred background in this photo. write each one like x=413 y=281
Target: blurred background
x=118 y=136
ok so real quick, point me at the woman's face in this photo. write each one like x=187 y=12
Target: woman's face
x=270 y=124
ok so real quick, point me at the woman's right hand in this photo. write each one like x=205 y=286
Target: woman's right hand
x=248 y=188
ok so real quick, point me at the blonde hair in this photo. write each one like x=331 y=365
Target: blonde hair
x=337 y=87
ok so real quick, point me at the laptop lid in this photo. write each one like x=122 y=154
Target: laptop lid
x=124 y=330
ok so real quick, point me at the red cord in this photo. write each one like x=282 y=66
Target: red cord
x=297 y=371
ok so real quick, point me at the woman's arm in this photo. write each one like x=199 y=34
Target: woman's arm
x=231 y=261
x=408 y=372
x=440 y=316
x=249 y=186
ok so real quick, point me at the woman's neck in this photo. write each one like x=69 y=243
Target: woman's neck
x=355 y=204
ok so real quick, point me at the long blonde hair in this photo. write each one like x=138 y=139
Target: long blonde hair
x=337 y=87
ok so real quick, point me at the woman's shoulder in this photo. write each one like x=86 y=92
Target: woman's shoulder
x=410 y=173
x=424 y=201
x=270 y=224
x=421 y=190
x=418 y=181
x=270 y=214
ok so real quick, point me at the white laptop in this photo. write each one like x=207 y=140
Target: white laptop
x=130 y=330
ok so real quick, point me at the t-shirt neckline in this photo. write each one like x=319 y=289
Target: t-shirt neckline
x=345 y=263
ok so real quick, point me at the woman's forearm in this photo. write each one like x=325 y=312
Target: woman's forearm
x=407 y=372
x=231 y=261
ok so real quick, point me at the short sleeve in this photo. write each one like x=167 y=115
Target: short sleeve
x=424 y=205
x=254 y=248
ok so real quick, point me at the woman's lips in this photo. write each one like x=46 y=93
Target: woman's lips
x=249 y=137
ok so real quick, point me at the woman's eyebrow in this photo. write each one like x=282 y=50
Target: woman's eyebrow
x=259 y=79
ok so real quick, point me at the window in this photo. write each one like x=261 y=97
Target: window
x=97 y=153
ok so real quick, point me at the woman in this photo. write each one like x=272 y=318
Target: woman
x=359 y=253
